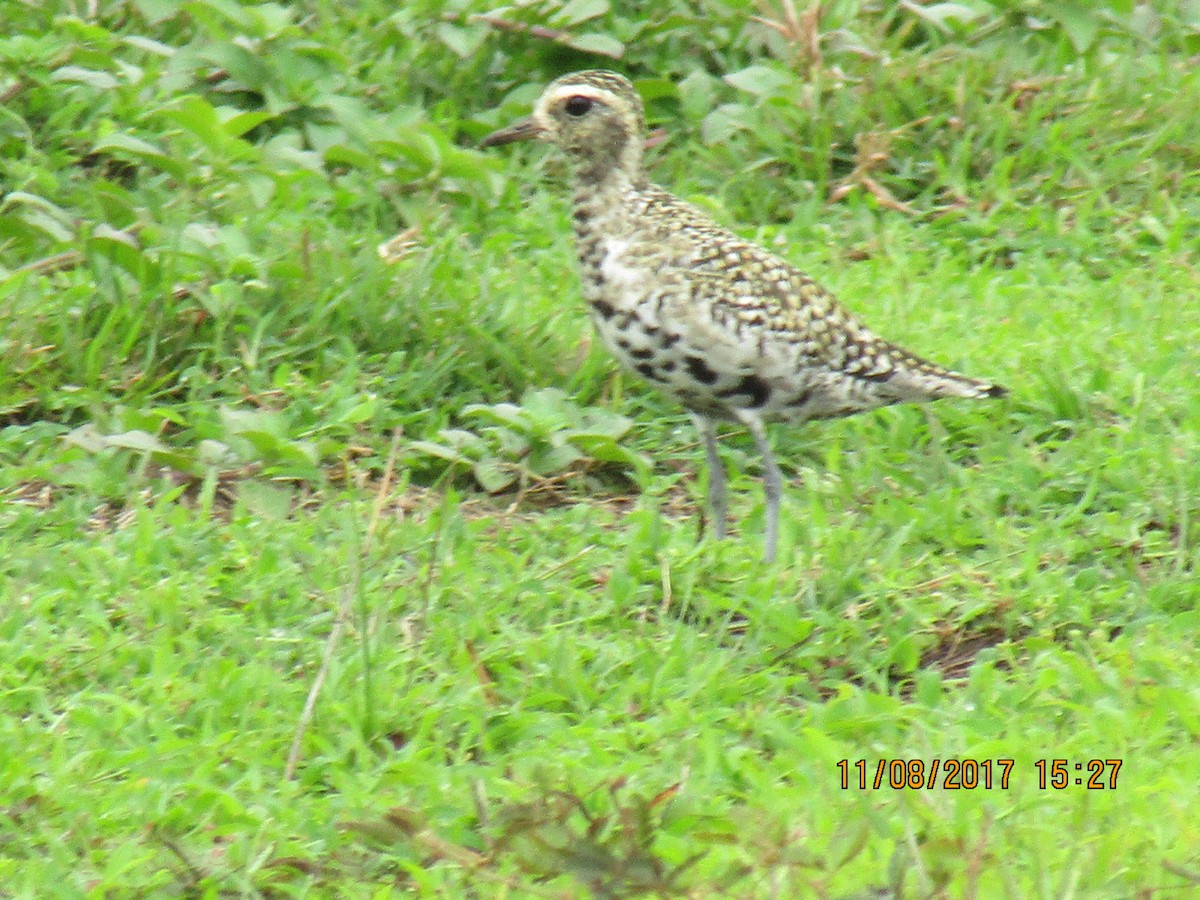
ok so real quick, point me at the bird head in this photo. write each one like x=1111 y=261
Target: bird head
x=595 y=117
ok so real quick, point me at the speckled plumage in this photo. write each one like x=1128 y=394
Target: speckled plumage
x=730 y=330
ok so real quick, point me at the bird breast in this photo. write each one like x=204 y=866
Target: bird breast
x=620 y=271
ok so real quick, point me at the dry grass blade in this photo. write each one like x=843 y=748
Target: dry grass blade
x=396 y=248
x=872 y=152
x=13 y=91
x=801 y=31
x=977 y=857
x=538 y=31
x=484 y=677
x=339 y=626
x=59 y=262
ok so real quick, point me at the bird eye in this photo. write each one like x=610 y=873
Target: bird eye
x=577 y=105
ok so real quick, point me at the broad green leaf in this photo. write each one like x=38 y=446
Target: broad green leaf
x=552 y=460
x=214 y=453
x=657 y=88
x=575 y=11
x=26 y=199
x=103 y=81
x=200 y=118
x=500 y=413
x=226 y=11
x=440 y=451
x=157 y=11
x=274 y=18
x=724 y=122
x=238 y=122
x=134 y=440
x=243 y=66
x=1081 y=23
x=121 y=249
x=237 y=420
x=494 y=475
x=946 y=16
x=600 y=44
x=763 y=81
x=149 y=45
x=126 y=145
x=462 y=40
x=265 y=499
x=605 y=449
x=36 y=220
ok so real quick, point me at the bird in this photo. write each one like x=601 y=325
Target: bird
x=731 y=331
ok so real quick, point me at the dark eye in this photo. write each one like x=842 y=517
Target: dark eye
x=577 y=106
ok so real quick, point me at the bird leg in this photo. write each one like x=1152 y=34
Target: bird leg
x=716 y=475
x=772 y=482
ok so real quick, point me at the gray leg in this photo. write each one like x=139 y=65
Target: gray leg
x=716 y=474
x=772 y=481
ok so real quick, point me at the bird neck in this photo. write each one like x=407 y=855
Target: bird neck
x=603 y=180
x=600 y=198
x=613 y=162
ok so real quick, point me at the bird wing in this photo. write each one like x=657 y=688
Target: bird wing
x=774 y=319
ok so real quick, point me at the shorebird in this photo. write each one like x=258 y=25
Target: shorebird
x=731 y=331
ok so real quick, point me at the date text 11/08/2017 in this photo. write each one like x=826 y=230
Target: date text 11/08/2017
x=971 y=774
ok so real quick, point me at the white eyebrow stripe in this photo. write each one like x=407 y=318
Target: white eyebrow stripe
x=574 y=90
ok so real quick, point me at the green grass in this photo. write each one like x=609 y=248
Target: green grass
x=219 y=406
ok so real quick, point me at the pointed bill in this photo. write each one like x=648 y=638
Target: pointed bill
x=523 y=130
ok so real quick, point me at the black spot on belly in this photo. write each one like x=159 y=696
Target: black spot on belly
x=606 y=309
x=699 y=370
x=668 y=341
x=640 y=352
x=623 y=343
x=581 y=215
x=669 y=366
x=647 y=371
x=750 y=386
x=643 y=327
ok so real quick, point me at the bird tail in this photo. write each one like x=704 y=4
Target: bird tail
x=924 y=380
x=976 y=389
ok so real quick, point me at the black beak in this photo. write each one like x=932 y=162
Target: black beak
x=524 y=130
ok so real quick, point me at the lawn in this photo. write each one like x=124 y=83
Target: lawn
x=338 y=559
